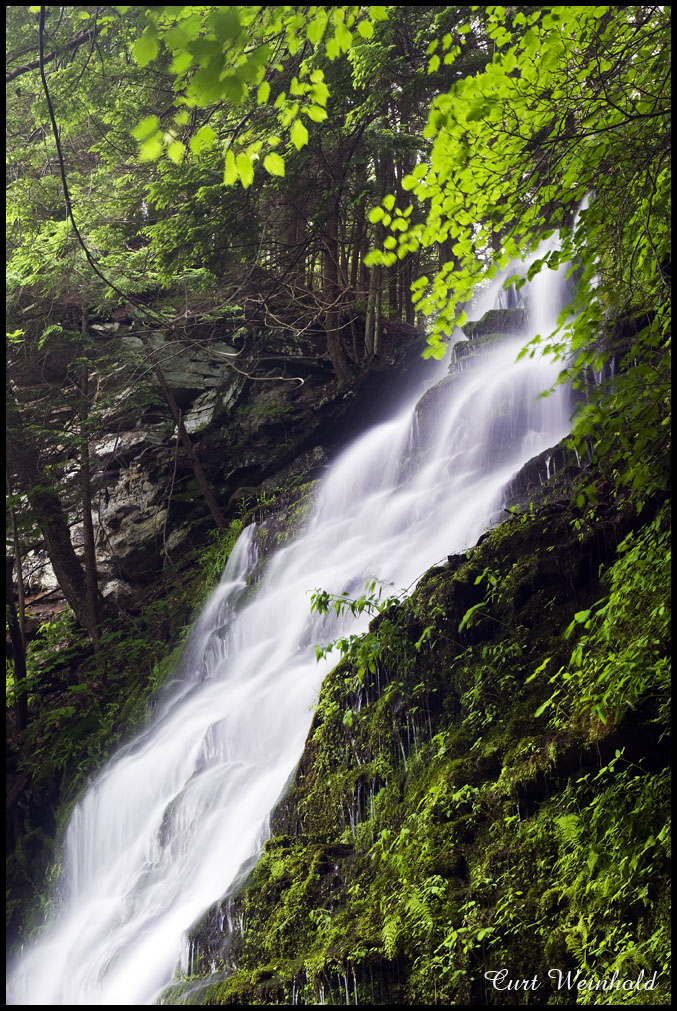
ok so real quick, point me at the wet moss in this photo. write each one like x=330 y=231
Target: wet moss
x=448 y=817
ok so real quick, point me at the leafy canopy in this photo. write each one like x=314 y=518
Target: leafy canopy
x=233 y=55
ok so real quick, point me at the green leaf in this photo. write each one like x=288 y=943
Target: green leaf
x=206 y=87
x=145 y=49
x=233 y=88
x=539 y=670
x=318 y=92
x=366 y=29
x=176 y=151
x=274 y=164
x=263 y=93
x=203 y=139
x=316 y=113
x=477 y=111
x=152 y=148
x=230 y=170
x=225 y=22
x=245 y=169
x=176 y=38
x=299 y=136
x=316 y=28
x=344 y=37
x=181 y=63
x=146 y=128
x=469 y=617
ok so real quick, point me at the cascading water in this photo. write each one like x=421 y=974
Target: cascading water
x=163 y=830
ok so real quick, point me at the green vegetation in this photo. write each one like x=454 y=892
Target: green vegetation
x=290 y=192
x=450 y=815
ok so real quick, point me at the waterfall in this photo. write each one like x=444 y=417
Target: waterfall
x=163 y=830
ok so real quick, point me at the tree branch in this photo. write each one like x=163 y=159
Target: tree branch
x=74 y=44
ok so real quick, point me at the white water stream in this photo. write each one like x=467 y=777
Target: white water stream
x=162 y=831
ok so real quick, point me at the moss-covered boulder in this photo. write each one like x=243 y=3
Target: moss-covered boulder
x=497 y=321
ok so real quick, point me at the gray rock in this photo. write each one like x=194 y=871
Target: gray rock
x=543 y=479
x=497 y=321
x=191 y=368
x=119 y=591
x=202 y=413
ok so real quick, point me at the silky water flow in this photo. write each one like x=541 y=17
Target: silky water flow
x=162 y=831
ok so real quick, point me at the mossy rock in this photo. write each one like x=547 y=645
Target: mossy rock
x=497 y=321
x=487 y=834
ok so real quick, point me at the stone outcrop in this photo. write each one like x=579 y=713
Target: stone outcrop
x=262 y=409
x=497 y=321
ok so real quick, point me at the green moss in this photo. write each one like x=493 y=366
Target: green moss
x=497 y=321
x=437 y=827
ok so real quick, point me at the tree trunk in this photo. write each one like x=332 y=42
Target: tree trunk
x=393 y=309
x=18 y=641
x=357 y=245
x=377 y=276
x=406 y=291
x=370 y=324
x=91 y=580
x=50 y=517
x=332 y=296
x=445 y=252
x=378 y=324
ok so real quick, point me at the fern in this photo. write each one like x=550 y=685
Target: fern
x=418 y=913
x=392 y=928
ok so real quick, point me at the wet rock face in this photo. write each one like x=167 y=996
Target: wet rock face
x=261 y=408
x=192 y=367
x=497 y=321
x=545 y=478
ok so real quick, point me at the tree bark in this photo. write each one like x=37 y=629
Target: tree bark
x=407 y=279
x=332 y=295
x=18 y=646
x=89 y=543
x=46 y=505
x=356 y=246
x=49 y=515
x=332 y=314
x=378 y=324
x=393 y=308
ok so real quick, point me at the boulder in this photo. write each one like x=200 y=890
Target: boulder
x=497 y=321
x=545 y=478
